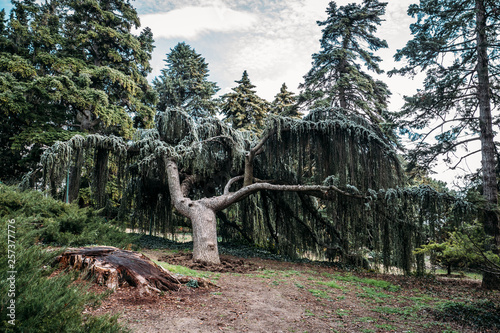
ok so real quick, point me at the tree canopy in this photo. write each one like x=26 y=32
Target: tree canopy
x=71 y=67
x=337 y=78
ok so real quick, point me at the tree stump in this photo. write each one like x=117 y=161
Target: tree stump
x=114 y=268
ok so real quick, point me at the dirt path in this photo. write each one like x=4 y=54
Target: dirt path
x=286 y=297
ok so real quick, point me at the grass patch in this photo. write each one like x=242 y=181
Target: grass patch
x=374 y=294
x=319 y=293
x=342 y=312
x=298 y=285
x=309 y=313
x=366 y=320
x=177 y=269
x=267 y=274
x=290 y=273
x=372 y=282
x=331 y=284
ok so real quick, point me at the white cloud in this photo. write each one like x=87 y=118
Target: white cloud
x=279 y=47
x=192 y=22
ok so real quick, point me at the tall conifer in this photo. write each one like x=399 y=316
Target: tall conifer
x=243 y=108
x=184 y=82
x=284 y=103
x=337 y=78
x=456 y=44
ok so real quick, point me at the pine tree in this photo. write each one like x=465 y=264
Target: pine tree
x=28 y=103
x=337 y=78
x=455 y=43
x=284 y=103
x=71 y=67
x=99 y=34
x=183 y=82
x=243 y=108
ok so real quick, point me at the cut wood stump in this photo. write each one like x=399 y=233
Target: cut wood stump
x=114 y=268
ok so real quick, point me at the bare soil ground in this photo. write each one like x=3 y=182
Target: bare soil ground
x=257 y=295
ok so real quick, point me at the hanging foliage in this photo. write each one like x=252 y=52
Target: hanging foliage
x=329 y=185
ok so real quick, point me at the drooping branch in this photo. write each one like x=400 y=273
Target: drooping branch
x=223 y=217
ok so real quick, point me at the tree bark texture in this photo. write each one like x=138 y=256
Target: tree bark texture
x=113 y=268
x=203 y=219
x=100 y=176
x=75 y=175
x=488 y=162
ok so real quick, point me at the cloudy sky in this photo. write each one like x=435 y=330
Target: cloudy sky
x=272 y=39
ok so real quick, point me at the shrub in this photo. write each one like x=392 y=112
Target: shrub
x=43 y=303
x=480 y=314
x=56 y=223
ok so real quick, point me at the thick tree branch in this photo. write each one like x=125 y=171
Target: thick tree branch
x=188 y=183
x=250 y=156
x=180 y=202
x=224 y=201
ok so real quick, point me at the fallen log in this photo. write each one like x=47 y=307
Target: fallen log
x=114 y=268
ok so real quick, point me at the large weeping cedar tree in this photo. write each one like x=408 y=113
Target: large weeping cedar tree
x=456 y=43
x=325 y=184
x=69 y=67
x=337 y=77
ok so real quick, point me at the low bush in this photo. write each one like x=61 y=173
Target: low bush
x=34 y=301
x=53 y=222
x=481 y=314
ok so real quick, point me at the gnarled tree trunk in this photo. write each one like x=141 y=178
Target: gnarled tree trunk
x=204 y=225
x=203 y=219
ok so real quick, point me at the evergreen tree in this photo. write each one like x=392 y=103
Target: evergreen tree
x=243 y=108
x=28 y=95
x=455 y=42
x=337 y=78
x=328 y=181
x=98 y=33
x=69 y=67
x=284 y=103
x=184 y=83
